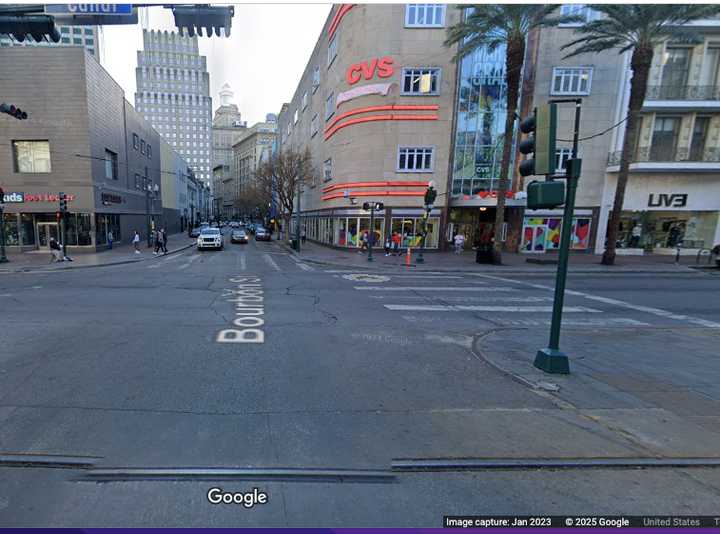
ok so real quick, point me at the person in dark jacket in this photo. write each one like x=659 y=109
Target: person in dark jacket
x=164 y=240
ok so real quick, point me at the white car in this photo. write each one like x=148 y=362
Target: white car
x=210 y=238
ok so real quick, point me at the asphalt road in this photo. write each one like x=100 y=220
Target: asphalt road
x=122 y=365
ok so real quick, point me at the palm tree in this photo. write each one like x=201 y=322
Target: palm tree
x=638 y=28
x=492 y=26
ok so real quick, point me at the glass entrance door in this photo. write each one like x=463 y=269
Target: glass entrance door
x=45 y=232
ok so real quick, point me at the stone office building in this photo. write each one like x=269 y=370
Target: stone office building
x=82 y=138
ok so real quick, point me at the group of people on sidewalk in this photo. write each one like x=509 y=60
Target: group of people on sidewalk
x=159 y=237
x=392 y=243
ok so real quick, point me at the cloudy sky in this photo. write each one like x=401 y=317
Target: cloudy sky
x=262 y=59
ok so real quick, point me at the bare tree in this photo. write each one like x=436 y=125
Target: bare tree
x=282 y=176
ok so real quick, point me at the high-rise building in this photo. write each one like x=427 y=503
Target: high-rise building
x=227 y=128
x=173 y=94
x=254 y=147
x=87 y=36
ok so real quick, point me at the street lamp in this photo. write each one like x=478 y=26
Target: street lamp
x=3 y=257
x=151 y=188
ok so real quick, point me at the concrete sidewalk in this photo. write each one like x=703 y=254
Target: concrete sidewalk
x=658 y=392
x=512 y=262
x=121 y=253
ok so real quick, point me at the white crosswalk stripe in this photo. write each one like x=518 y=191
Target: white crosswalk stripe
x=271 y=262
x=304 y=266
x=431 y=288
x=499 y=309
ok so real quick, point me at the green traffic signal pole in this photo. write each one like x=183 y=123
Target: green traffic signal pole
x=552 y=359
x=3 y=257
x=371 y=233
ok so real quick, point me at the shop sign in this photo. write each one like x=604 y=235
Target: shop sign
x=110 y=198
x=367 y=69
x=13 y=197
x=667 y=200
x=47 y=197
x=372 y=89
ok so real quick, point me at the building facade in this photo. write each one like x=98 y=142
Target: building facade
x=86 y=36
x=174 y=173
x=673 y=192
x=375 y=108
x=249 y=151
x=81 y=138
x=228 y=127
x=173 y=94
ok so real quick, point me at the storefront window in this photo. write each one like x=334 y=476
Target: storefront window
x=481 y=122
x=10 y=226
x=83 y=229
x=410 y=229
x=541 y=234
x=28 y=229
x=71 y=229
x=352 y=233
x=100 y=229
x=667 y=229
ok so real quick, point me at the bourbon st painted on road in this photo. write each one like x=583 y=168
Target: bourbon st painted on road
x=249 y=309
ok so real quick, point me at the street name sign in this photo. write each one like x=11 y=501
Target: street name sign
x=89 y=9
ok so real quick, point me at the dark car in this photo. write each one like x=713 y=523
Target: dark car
x=262 y=234
x=195 y=232
x=239 y=236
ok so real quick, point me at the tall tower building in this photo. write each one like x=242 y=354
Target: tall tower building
x=173 y=94
x=227 y=129
x=87 y=36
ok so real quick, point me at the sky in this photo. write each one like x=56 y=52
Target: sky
x=262 y=60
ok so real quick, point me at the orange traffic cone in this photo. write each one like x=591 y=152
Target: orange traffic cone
x=408 y=257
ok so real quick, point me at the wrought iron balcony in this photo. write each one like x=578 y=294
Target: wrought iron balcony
x=682 y=92
x=657 y=155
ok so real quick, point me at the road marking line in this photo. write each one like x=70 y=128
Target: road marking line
x=447 y=299
x=271 y=262
x=184 y=266
x=305 y=267
x=620 y=303
x=501 y=309
x=423 y=288
x=616 y=321
x=243 y=261
x=294 y=258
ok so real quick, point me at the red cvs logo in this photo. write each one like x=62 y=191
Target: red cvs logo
x=367 y=69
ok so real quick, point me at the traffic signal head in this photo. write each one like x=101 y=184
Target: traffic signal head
x=37 y=26
x=194 y=18
x=13 y=111
x=2 y=196
x=430 y=195
x=63 y=203
x=540 y=145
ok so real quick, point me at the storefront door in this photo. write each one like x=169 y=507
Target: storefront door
x=534 y=236
x=45 y=232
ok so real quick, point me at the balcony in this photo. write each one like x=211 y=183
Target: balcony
x=682 y=98
x=680 y=160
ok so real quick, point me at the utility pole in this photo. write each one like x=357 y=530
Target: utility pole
x=297 y=225
x=430 y=196
x=372 y=207
x=63 y=214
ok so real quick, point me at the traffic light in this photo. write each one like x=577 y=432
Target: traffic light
x=377 y=206
x=542 y=127
x=194 y=18
x=430 y=195
x=63 y=203
x=2 y=196
x=58 y=216
x=13 y=111
x=37 y=26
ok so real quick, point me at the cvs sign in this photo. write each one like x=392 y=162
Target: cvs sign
x=383 y=67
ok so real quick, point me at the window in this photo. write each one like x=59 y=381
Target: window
x=137 y=181
x=314 y=125
x=32 y=156
x=664 y=139
x=304 y=100
x=425 y=15
x=111 y=165
x=77 y=41
x=88 y=31
x=329 y=106
x=327 y=170
x=675 y=72
x=697 y=145
x=142 y=146
x=415 y=159
x=332 y=49
x=421 y=81
x=149 y=152
x=65 y=40
x=571 y=81
x=136 y=141
x=77 y=31
x=295 y=116
x=583 y=11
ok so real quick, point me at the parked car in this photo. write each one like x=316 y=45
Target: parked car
x=195 y=232
x=262 y=234
x=239 y=236
x=210 y=238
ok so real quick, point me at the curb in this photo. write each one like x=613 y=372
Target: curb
x=74 y=267
x=498 y=271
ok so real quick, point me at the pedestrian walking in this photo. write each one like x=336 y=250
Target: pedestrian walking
x=388 y=245
x=396 y=239
x=55 y=251
x=157 y=237
x=110 y=239
x=164 y=240
x=363 y=242
x=136 y=242
x=303 y=235
x=459 y=243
